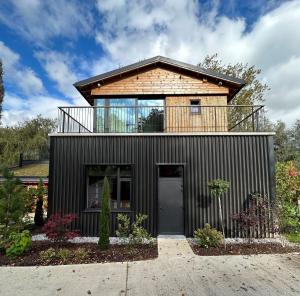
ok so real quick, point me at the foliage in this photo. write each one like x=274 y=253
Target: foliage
x=58 y=226
x=208 y=237
x=27 y=137
x=12 y=204
x=218 y=187
x=39 y=211
x=254 y=90
x=288 y=217
x=81 y=254
x=287 y=182
x=153 y=122
x=293 y=237
x=19 y=243
x=123 y=225
x=1 y=88
x=138 y=233
x=63 y=254
x=287 y=142
x=48 y=254
x=105 y=216
x=257 y=218
x=287 y=194
x=252 y=93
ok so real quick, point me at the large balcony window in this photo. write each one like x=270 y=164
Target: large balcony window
x=129 y=115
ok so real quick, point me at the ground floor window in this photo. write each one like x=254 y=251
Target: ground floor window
x=120 y=181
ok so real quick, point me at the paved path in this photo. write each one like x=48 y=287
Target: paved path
x=177 y=271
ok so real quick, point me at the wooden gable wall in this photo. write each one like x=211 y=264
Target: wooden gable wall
x=159 y=81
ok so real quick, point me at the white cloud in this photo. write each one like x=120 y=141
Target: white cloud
x=17 y=109
x=188 y=31
x=39 y=20
x=17 y=75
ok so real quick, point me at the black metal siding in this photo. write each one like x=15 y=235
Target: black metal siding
x=247 y=161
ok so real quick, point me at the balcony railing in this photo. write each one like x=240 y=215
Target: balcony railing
x=158 y=119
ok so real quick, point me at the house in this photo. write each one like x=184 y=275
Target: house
x=159 y=129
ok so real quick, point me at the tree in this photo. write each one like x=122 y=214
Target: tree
x=1 y=89
x=39 y=211
x=105 y=216
x=12 y=203
x=29 y=137
x=251 y=94
x=218 y=187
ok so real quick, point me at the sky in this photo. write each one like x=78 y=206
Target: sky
x=46 y=46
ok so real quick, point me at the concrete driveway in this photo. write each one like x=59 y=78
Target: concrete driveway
x=177 y=271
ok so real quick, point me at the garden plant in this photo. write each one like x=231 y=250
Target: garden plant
x=218 y=188
x=105 y=216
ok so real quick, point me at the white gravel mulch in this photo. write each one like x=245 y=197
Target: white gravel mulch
x=88 y=239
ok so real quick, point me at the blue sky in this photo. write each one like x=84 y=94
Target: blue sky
x=46 y=46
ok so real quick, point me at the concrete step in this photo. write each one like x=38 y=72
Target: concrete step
x=170 y=246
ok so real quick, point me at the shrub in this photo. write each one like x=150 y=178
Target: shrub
x=208 y=237
x=139 y=234
x=48 y=254
x=81 y=253
x=105 y=216
x=58 y=227
x=289 y=217
x=19 y=243
x=64 y=254
x=39 y=211
x=217 y=188
x=12 y=204
x=256 y=218
x=123 y=226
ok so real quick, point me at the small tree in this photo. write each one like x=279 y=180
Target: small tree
x=105 y=216
x=12 y=204
x=256 y=220
x=217 y=188
x=39 y=211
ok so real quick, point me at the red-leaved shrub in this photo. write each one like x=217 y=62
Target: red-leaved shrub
x=58 y=227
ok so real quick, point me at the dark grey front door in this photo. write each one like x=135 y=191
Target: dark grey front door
x=170 y=204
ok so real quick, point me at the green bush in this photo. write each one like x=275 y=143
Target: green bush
x=208 y=237
x=19 y=243
x=12 y=204
x=81 y=253
x=123 y=226
x=293 y=238
x=105 y=216
x=48 y=254
x=139 y=234
x=64 y=254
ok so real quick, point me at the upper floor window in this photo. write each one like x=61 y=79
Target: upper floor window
x=119 y=177
x=195 y=106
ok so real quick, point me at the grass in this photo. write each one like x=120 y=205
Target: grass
x=293 y=237
x=34 y=170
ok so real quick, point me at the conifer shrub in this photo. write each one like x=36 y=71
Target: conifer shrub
x=104 y=216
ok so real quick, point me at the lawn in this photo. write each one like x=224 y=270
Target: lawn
x=33 y=170
x=293 y=237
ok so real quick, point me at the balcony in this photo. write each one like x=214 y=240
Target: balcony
x=161 y=119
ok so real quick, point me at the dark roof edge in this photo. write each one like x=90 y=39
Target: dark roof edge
x=163 y=60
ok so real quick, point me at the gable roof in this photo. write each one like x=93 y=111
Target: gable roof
x=82 y=85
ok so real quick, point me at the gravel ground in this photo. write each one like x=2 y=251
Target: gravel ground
x=89 y=239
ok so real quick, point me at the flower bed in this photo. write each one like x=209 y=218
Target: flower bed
x=48 y=253
x=240 y=247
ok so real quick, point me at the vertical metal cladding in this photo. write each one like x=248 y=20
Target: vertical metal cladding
x=246 y=161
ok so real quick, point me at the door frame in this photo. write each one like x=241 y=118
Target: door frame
x=183 y=164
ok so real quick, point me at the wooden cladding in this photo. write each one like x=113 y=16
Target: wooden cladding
x=208 y=118
x=159 y=81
